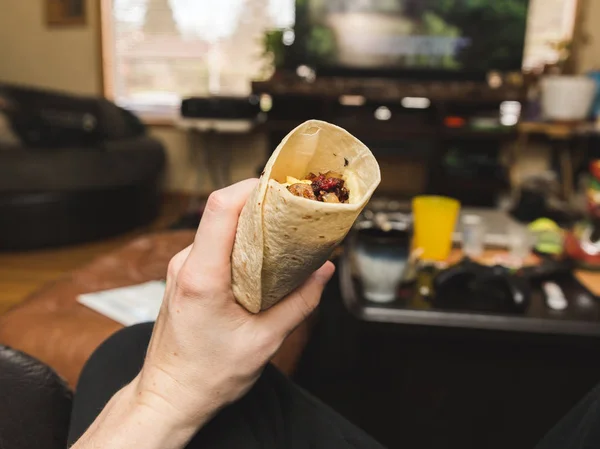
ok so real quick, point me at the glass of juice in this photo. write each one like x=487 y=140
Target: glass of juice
x=434 y=222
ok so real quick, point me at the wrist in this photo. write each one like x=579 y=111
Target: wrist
x=181 y=407
x=133 y=419
x=157 y=407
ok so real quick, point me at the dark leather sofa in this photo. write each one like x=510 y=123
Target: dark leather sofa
x=83 y=169
x=36 y=404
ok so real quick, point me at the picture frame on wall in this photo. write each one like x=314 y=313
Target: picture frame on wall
x=66 y=12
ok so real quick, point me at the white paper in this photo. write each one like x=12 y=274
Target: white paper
x=127 y=305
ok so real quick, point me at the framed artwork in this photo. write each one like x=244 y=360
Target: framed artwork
x=66 y=12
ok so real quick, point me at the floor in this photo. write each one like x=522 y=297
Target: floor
x=21 y=274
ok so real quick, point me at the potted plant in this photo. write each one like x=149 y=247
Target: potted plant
x=566 y=96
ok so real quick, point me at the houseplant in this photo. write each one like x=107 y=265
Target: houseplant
x=566 y=96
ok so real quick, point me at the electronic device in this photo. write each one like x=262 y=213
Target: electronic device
x=220 y=114
x=460 y=36
x=555 y=297
x=223 y=108
x=471 y=286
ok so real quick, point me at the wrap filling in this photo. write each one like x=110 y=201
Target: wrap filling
x=325 y=187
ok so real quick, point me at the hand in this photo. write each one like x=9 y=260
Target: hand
x=206 y=350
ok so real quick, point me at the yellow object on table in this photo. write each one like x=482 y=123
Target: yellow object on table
x=434 y=222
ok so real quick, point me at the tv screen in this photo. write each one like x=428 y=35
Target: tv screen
x=447 y=35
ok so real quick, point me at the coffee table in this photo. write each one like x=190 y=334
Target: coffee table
x=581 y=318
x=53 y=327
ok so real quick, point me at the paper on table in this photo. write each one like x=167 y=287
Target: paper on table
x=127 y=305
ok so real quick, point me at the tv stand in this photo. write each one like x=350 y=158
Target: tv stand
x=429 y=137
x=387 y=89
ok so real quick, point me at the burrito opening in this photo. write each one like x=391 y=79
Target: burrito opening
x=328 y=187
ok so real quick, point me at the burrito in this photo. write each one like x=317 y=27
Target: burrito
x=311 y=191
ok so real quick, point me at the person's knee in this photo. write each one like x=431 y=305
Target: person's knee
x=121 y=355
x=130 y=339
x=113 y=365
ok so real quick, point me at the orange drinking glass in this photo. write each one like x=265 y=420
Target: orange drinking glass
x=434 y=222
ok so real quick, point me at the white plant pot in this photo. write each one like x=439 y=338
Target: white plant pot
x=567 y=98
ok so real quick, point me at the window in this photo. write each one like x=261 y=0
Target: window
x=550 y=21
x=158 y=51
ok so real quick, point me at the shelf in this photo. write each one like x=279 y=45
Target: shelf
x=369 y=130
x=481 y=182
x=471 y=134
x=381 y=89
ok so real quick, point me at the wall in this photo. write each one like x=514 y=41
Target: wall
x=60 y=58
x=589 y=54
x=187 y=169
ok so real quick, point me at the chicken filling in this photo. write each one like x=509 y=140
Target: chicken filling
x=325 y=187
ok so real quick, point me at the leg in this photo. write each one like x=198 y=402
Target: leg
x=566 y=170
x=112 y=366
x=579 y=429
x=274 y=414
x=514 y=151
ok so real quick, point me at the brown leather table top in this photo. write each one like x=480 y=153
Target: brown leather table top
x=53 y=327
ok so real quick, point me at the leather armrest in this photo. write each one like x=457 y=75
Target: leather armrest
x=36 y=403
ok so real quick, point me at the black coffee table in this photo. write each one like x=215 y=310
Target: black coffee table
x=581 y=318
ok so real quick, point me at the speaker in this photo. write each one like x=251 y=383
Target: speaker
x=221 y=108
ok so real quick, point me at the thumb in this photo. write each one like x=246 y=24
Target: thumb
x=290 y=312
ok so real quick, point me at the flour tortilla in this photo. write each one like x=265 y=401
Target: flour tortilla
x=281 y=238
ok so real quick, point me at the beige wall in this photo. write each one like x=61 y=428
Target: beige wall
x=186 y=166
x=60 y=58
x=187 y=169
x=589 y=55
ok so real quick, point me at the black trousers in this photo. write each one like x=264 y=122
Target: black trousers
x=276 y=413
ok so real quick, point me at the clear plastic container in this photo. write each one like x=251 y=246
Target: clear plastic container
x=473 y=236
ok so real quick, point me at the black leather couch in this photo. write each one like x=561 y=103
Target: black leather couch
x=36 y=404
x=84 y=169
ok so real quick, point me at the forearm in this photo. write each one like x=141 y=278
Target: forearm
x=130 y=420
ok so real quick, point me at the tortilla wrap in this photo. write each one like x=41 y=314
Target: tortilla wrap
x=281 y=238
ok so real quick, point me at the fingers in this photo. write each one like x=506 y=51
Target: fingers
x=213 y=244
x=285 y=316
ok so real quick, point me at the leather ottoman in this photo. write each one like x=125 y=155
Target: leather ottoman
x=54 y=328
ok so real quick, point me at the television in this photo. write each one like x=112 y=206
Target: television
x=407 y=36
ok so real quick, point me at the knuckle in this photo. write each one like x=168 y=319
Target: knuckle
x=256 y=344
x=186 y=283
x=266 y=342
x=217 y=201
x=172 y=269
x=177 y=262
x=175 y=265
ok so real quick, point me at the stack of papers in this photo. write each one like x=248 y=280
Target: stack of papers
x=128 y=305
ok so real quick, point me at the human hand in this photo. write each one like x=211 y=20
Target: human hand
x=206 y=350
